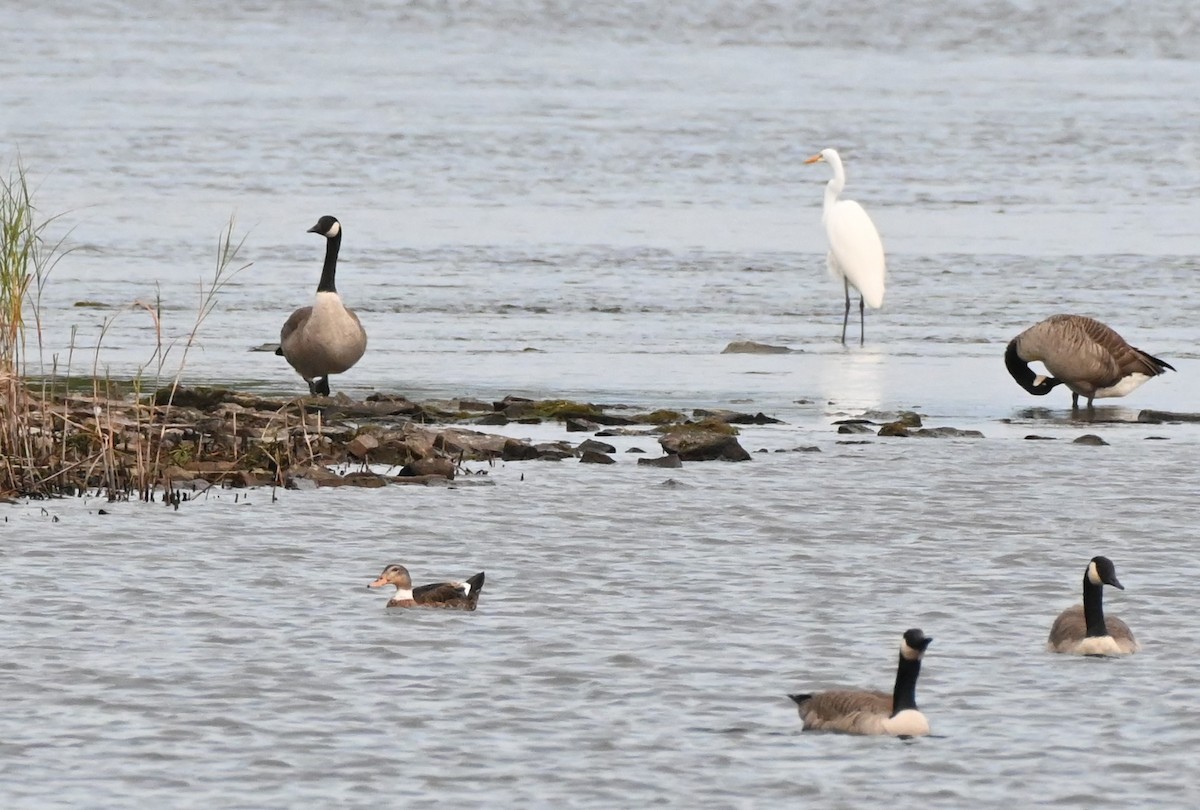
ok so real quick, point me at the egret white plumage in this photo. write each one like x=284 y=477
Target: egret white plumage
x=855 y=249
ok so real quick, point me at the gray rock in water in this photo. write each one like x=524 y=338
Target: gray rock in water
x=809 y=448
x=595 y=447
x=576 y=425
x=635 y=450
x=672 y=483
x=855 y=427
x=736 y=417
x=593 y=457
x=894 y=429
x=1158 y=417
x=1033 y=437
x=947 y=433
x=698 y=444
x=751 y=347
x=1092 y=439
x=670 y=461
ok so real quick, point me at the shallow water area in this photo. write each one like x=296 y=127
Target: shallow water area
x=590 y=203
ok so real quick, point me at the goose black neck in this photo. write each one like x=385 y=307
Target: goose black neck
x=332 y=245
x=904 y=696
x=1018 y=368
x=1093 y=608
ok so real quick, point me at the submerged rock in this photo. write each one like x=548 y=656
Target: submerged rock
x=947 y=433
x=893 y=429
x=670 y=461
x=594 y=457
x=736 y=417
x=1158 y=417
x=854 y=427
x=753 y=347
x=1090 y=438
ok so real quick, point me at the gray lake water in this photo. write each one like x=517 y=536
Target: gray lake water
x=590 y=201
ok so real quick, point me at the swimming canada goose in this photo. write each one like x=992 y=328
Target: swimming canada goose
x=453 y=595
x=1081 y=353
x=855 y=250
x=1084 y=629
x=325 y=338
x=854 y=711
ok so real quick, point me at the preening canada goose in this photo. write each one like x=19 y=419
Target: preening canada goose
x=855 y=250
x=325 y=338
x=861 y=712
x=453 y=595
x=1081 y=353
x=1084 y=629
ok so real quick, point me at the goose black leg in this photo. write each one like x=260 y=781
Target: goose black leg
x=323 y=386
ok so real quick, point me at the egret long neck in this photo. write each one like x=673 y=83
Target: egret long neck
x=332 y=245
x=1093 y=607
x=904 y=696
x=834 y=187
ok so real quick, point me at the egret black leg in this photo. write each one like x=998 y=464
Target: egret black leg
x=846 y=316
x=862 y=323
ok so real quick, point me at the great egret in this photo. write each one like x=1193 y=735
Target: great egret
x=855 y=250
x=1081 y=353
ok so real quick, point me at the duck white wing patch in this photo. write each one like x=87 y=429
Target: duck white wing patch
x=465 y=587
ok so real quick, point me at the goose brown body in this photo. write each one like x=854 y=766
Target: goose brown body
x=1085 y=355
x=1085 y=629
x=853 y=711
x=327 y=337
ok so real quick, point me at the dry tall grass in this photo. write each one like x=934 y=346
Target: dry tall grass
x=53 y=439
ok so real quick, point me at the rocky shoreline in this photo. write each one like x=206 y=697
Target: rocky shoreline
x=184 y=440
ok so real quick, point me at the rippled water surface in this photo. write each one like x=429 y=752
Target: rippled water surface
x=591 y=201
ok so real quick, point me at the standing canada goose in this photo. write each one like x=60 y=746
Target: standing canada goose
x=854 y=711
x=855 y=250
x=1081 y=353
x=1084 y=629
x=453 y=595
x=325 y=338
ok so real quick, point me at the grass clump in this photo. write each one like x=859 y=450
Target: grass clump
x=62 y=435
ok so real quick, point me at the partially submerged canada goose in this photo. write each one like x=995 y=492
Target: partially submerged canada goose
x=855 y=250
x=1081 y=353
x=325 y=338
x=1084 y=629
x=862 y=712
x=454 y=595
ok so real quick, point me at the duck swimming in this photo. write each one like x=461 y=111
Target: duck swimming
x=450 y=595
